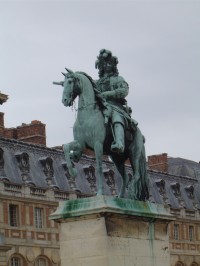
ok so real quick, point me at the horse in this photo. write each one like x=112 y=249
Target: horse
x=90 y=131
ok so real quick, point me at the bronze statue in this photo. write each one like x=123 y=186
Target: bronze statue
x=101 y=122
x=113 y=89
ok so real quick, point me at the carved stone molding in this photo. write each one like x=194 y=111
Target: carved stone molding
x=55 y=256
x=30 y=255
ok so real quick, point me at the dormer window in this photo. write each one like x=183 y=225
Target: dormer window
x=161 y=185
x=110 y=180
x=176 y=189
x=23 y=161
x=1 y=159
x=89 y=171
x=190 y=191
x=47 y=164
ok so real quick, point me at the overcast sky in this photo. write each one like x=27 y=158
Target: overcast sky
x=158 y=47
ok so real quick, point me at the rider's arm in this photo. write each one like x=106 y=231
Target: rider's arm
x=120 y=90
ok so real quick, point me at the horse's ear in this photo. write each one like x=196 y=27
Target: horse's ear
x=70 y=71
x=64 y=74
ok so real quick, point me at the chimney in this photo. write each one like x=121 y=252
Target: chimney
x=32 y=133
x=158 y=162
x=10 y=133
x=1 y=124
x=3 y=99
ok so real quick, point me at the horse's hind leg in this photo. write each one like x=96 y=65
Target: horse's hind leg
x=98 y=148
x=72 y=151
x=119 y=163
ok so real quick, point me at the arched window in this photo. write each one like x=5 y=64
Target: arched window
x=179 y=263
x=42 y=261
x=194 y=264
x=16 y=261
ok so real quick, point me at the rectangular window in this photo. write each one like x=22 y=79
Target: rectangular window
x=176 y=231
x=13 y=215
x=38 y=217
x=191 y=232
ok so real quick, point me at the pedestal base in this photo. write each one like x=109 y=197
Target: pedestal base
x=105 y=231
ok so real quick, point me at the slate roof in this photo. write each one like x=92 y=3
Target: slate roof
x=43 y=167
x=184 y=167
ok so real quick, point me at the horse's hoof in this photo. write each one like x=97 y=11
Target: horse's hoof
x=99 y=193
x=117 y=147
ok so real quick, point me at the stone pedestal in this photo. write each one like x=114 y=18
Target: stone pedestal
x=107 y=231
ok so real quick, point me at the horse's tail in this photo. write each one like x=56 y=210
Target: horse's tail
x=138 y=187
x=143 y=193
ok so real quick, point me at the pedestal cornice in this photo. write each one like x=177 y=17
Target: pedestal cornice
x=105 y=204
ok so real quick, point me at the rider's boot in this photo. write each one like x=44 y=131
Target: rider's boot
x=118 y=145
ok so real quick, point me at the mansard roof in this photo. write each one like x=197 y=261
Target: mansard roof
x=42 y=167
x=184 y=167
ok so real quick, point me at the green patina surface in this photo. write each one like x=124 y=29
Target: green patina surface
x=106 y=204
x=104 y=124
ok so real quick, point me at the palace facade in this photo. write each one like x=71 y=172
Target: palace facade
x=34 y=178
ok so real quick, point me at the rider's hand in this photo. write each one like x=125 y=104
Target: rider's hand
x=120 y=93
x=108 y=94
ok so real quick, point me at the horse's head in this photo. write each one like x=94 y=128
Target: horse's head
x=71 y=86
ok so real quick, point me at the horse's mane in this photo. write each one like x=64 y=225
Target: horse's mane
x=98 y=96
x=91 y=80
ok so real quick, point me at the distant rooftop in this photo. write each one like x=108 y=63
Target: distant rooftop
x=184 y=167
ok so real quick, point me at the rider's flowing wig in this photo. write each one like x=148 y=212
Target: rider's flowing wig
x=106 y=56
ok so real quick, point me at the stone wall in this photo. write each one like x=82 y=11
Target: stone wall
x=27 y=241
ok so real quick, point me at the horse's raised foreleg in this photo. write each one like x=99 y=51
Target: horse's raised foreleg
x=72 y=151
x=98 y=148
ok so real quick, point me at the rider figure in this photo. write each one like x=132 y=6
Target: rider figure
x=113 y=89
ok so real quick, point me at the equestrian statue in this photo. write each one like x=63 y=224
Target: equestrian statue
x=104 y=124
